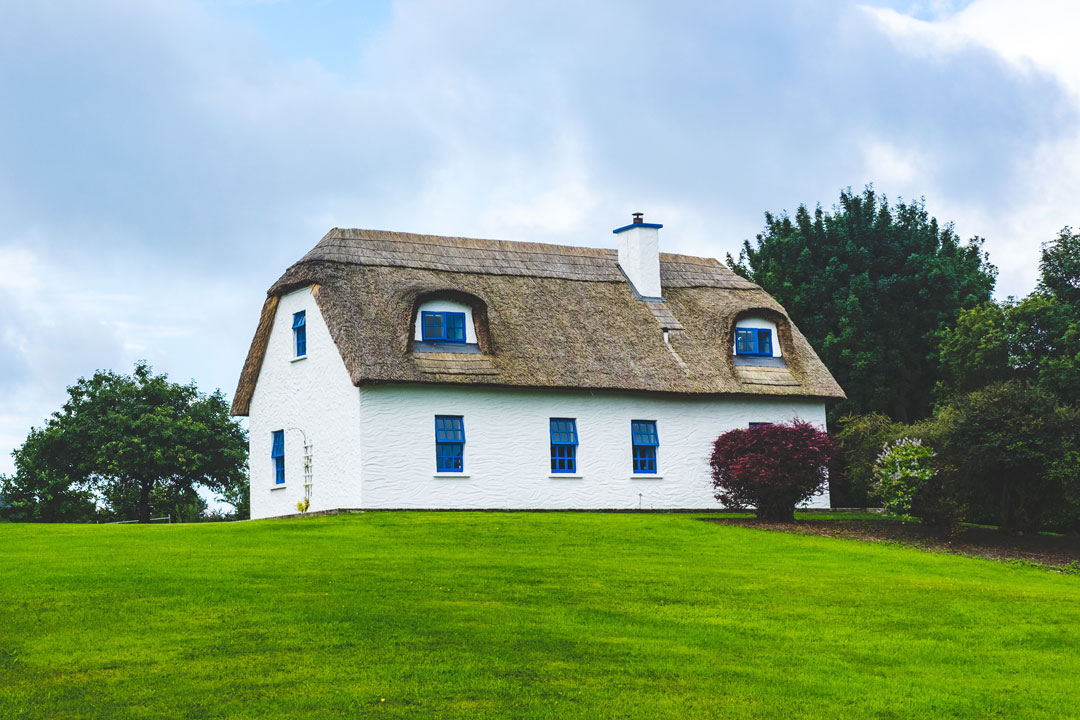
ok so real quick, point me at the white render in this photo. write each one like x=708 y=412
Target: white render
x=374 y=447
x=507 y=447
x=310 y=397
x=639 y=258
x=761 y=323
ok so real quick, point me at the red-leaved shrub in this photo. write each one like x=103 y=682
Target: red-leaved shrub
x=771 y=468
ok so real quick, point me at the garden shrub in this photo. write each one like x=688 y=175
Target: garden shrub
x=771 y=468
x=858 y=443
x=902 y=470
x=1010 y=444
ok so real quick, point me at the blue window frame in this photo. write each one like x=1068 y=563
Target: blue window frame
x=753 y=341
x=564 y=441
x=277 y=452
x=443 y=326
x=645 y=441
x=759 y=424
x=299 y=328
x=449 y=443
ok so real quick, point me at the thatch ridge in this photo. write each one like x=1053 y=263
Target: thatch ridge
x=553 y=317
x=506 y=257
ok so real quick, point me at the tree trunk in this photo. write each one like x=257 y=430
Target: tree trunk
x=144 y=501
x=777 y=512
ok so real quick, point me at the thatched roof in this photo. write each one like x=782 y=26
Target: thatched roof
x=547 y=316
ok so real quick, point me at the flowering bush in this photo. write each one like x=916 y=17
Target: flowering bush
x=771 y=468
x=902 y=470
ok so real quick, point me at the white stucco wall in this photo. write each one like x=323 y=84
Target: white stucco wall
x=507 y=449
x=446 y=306
x=753 y=322
x=312 y=396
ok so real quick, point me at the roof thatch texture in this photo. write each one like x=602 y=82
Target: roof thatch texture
x=548 y=316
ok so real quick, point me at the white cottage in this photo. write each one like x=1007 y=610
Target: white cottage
x=392 y=370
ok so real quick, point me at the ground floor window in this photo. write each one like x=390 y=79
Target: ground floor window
x=449 y=443
x=645 y=443
x=564 y=443
x=277 y=453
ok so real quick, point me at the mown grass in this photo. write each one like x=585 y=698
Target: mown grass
x=556 y=615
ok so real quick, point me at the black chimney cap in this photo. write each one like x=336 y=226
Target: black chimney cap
x=638 y=218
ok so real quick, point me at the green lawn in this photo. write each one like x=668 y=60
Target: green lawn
x=547 y=615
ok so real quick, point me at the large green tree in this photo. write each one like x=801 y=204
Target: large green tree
x=37 y=492
x=871 y=285
x=1036 y=339
x=140 y=442
x=1060 y=266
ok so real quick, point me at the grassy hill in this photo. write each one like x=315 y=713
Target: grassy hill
x=559 y=615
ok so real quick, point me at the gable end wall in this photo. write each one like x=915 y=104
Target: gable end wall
x=313 y=397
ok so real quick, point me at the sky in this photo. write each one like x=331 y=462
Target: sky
x=162 y=163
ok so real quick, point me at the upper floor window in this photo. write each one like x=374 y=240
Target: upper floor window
x=564 y=441
x=443 y=326
x=753 y=341
x=449 y=443
x=299 y=327
x=645 y=442
x=277 y=453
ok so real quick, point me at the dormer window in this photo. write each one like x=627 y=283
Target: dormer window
x=443 y=326
x=753 y=341
x=757 y=342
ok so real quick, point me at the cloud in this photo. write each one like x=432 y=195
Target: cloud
x=1034 y=43
x=168 y=160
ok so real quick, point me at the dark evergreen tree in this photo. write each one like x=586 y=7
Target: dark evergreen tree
x=871 y=286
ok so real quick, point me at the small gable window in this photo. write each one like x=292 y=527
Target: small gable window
x=277 y=454
x=443 y=326
x=645 y=441
x=449 y=443
x=753 y=341
x=564 y=441
x=299 y=328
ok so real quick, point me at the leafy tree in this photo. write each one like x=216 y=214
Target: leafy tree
x=1009 y=443
x=772 y=468
x=181 y=503
x=871 y=285
x=38 y=492
x=1036 y=340
x=1060 y=266
x=236 y=492
x=143 y=443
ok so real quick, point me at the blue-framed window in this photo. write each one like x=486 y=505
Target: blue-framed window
x=753 y=341
x=645 y=441
x=277 y=453
x=299 y=329
x=759 y=424
x=443 y=326
x=449 y=443
x=564 y=443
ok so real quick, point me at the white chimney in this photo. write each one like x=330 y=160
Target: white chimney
x=639 y=256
